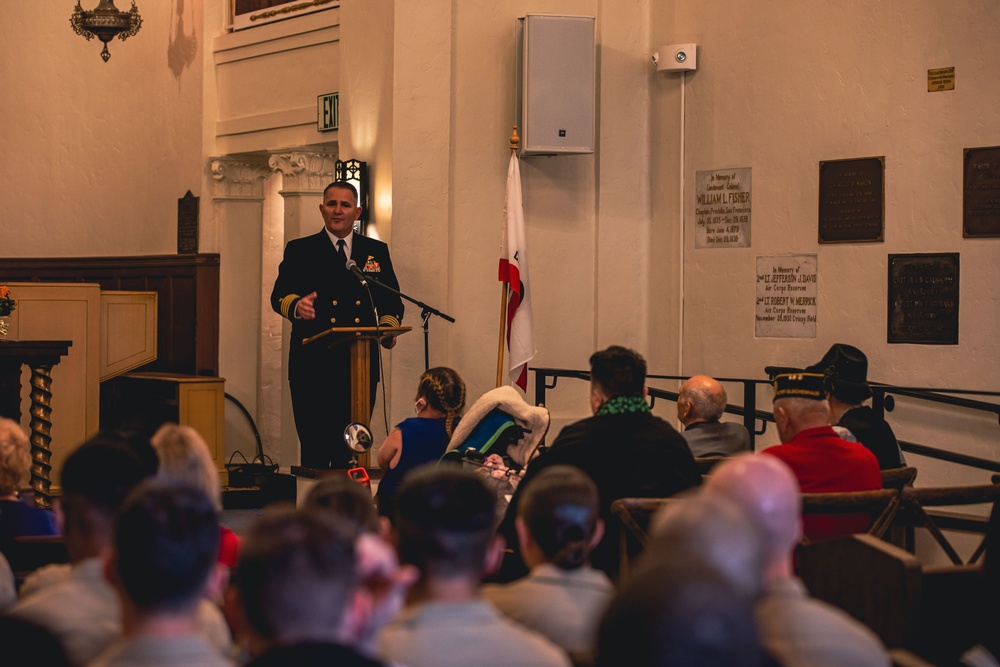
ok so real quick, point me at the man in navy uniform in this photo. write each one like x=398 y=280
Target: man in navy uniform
x=316 y=291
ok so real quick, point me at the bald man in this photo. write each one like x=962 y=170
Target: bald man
x=795 y=629
x=700 y=404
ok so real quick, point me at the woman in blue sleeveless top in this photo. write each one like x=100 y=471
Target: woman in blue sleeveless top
x=421 y=439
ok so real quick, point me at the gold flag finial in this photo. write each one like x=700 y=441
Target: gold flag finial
x=515 y=140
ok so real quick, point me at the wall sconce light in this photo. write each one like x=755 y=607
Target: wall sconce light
x=105 y=22
x=355 y=172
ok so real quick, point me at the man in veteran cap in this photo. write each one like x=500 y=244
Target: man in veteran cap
x=846 y=370
x=822 y=461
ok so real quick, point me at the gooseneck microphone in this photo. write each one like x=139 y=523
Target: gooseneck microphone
x=352 y=266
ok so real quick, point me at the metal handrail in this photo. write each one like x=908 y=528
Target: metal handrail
x=882 y=401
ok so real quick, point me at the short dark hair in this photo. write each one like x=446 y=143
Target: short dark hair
x=166 y=541
x=344 y=498
x=619 y=370
x=342 y=185
x=296 y=571
x=560 y=509
x=445 y=519
x=102 y=471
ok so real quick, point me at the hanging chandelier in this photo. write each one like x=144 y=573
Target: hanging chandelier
x=105 y=22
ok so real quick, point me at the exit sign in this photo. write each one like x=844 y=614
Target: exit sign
x=327 y=112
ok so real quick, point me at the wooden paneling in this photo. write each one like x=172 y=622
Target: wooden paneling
x=188 y=298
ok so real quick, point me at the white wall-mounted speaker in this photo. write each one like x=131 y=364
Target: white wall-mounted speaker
x=676 y=58
x=556 y=96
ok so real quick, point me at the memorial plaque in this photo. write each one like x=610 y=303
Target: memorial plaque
x=942 y=78
x=981 y=194
x=923 y=298
x=786 y=297
x=187 y=224
x=851 y=200
x=722 y=208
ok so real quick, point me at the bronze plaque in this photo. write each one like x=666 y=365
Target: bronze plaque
x=851 y=200
x=187 y=224
x=923 y=298
x=981 y=194
x=940 y=79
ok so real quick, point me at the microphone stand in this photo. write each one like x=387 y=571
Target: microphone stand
x=425 y=315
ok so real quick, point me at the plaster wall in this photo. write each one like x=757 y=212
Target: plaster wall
x=780 y=87
x=97 y=154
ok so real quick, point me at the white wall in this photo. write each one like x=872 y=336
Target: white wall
x=97 y=154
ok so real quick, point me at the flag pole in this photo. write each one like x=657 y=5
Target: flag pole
x=515 y=141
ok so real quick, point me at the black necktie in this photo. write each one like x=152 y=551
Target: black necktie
x=342 y=253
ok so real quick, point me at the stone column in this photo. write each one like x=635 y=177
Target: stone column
x=238 y=188
x=304 y=174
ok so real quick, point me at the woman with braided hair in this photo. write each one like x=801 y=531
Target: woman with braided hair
x=423 y=438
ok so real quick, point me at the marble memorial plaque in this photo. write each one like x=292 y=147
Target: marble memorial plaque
x=851 y=200
x=786 y=297
x=187 y=224
x=923 y=298
x=722 y=208
x=981 y=193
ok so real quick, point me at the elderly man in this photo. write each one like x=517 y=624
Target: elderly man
x=624 y=448
x=846 y=371
x=795 y=629
x=700 y=404
x=822 y=461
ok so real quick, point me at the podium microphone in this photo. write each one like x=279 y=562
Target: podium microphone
x=352 y=266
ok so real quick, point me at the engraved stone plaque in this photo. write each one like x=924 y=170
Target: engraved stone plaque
x=187 y=224
x=923 y=298
x=722 y=208
x=786 y=297
x=981 y=194
x=851 y=200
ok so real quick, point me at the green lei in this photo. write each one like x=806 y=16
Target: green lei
x=624 y=404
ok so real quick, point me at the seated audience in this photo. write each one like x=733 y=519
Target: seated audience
x=846 y=371
x=163 y=564
x=562 y=597
x=344 y=498
x=624 y=448
x=794 y=628
x=444 y=527
x=822 y=461
x=8 y=591
x=422 y=438
x=701 y=403
x=679 y=616
x=710 y=530
x=75 y=602
x=18 y=518
x=183 y=455
x=37 y=645
x=298 y=596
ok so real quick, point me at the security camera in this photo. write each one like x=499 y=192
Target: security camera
x=676 y=58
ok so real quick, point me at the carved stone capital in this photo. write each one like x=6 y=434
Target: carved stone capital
x=238 y=178
x=303 y=171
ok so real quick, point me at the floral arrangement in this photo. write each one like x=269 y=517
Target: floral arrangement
x=7 y=304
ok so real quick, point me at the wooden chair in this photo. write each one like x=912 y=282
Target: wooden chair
x=881 y=505
x=706 y=463
x=897 y=478
x=633 y=515
x=876 y=582
x=27 y=554
x=915 y=501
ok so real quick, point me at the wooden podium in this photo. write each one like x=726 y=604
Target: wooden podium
x=360 y=339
